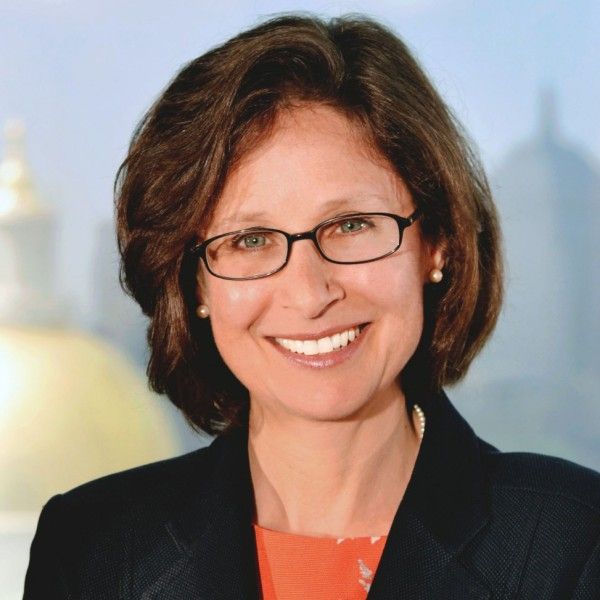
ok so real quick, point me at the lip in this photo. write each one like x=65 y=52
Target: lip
x=322 y=361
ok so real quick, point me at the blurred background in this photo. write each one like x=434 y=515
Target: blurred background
x=75 y=78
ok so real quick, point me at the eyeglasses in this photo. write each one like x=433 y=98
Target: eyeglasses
x=261 y=251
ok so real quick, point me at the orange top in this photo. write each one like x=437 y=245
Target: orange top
x=298 y=566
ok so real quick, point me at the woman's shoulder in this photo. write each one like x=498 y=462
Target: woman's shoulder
x=543 y=530
x=88 y=530
x=531 y=475
x=154 y=485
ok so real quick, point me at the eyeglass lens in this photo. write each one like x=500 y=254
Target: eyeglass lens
x=354 y=238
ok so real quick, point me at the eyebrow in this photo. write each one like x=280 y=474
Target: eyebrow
x=331 y=205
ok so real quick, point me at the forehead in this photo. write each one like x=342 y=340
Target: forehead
x=314 y=162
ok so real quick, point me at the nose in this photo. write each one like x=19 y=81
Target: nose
x=308 y=283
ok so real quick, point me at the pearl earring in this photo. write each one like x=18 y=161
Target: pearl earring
x=435 y=275
x=202 y=311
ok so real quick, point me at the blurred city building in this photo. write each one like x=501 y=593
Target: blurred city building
x=116 y=316
x=73 y=407
x=27 y=243
x=536 y=386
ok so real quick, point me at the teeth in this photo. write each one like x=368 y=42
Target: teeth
x=310 y=347
x=344 y=339
x=322 y=345
x=336 y=340
x=325 y=345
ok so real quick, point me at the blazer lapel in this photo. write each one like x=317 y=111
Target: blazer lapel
x=444 y=507
x=421 y=568
x=211 y=540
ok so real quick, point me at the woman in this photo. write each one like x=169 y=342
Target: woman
x=318 y=253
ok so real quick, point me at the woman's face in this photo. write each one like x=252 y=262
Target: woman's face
x=316 y=165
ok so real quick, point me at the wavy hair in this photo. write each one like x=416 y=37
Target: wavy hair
x=221 y=103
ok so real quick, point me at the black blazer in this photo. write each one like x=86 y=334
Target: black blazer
x=474 y=523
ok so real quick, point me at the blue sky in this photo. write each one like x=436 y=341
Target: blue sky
x=80 y=73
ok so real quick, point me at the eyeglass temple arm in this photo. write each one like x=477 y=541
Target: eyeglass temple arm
x=415 y=215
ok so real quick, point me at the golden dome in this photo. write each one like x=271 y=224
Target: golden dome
x=71 y=409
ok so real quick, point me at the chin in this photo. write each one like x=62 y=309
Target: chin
x=328 y=407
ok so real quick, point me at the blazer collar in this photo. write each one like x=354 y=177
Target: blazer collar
x=207 y=542
x=208 y=545
x=445 y=505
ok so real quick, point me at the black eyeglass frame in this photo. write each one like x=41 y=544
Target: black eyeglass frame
x=199 y=250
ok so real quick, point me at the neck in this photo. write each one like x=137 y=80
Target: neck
x=338 y=479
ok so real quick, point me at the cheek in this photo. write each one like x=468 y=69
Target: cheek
x=395 y=292
x=395 y=285
x=234 y=307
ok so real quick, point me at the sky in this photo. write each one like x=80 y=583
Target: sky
x=81 y=73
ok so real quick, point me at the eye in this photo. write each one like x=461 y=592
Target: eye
x=353 y=225
x=249 y=241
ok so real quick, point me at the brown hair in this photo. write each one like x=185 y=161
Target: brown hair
x=182 y=150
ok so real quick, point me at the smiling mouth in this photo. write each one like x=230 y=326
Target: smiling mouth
x=324 y=345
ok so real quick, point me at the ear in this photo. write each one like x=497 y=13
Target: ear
x=201 y=284
x=438 y=257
